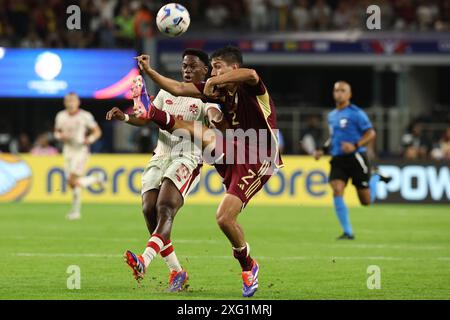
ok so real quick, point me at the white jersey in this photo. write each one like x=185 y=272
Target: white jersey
x=185 y=108
x=76 y=127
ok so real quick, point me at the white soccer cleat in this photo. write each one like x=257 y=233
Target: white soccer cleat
x=73 y=216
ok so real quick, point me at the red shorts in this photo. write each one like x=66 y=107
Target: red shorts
x=243 y=173
x=244 y=180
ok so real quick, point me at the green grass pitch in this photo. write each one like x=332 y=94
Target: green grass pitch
x=295 y=246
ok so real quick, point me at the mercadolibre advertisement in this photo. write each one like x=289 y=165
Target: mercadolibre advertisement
x=303 y=181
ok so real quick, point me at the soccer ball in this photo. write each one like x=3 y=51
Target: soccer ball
x=173 y=19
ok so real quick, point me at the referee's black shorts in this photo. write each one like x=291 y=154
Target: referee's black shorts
x=355 y=166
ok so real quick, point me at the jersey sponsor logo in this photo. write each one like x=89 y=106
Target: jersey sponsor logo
x=168 y=101
x=193 y=109
x=343 y=122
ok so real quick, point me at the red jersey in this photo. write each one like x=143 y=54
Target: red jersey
x=249 y=107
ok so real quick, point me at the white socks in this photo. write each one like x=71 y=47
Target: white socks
x=171 y=259
x=88 y=180
x=76 y=200
x=154 y=246
x=242 y=248
x=83 y=182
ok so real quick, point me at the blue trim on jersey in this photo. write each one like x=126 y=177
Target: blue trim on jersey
x=347 y=125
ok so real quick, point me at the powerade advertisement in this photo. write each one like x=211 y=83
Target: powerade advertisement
x=303 y=181
x=418 y=182
x=51 y=73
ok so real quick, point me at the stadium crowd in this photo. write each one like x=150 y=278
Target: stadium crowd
x=418 y=145
x=122 y=23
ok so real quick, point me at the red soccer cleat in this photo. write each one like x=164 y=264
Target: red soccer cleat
x=136 y=263
x=177 y=280
x=142 y=103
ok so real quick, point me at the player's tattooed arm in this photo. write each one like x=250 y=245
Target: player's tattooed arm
x=172 y=86
x=117 y=114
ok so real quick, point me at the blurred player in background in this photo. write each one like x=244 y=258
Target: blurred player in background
x=350 y=133
x=170 y=175
x=246 y=105
x=77 y=130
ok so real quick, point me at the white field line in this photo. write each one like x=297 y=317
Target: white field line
x=190 y=241
x=389 y=246
x=125 y=240
x=291 y=258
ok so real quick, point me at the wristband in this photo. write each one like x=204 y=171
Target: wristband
x=127 y=118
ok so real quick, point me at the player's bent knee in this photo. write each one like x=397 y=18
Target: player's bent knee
x=224 y=221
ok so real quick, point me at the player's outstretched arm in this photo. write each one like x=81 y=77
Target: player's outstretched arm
x=117 y=114
x=248 y=76
x=174 y=87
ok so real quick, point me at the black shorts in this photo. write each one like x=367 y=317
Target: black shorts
x=355 y=166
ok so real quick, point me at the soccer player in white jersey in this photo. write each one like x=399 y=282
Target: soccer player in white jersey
x=77 y=130
x=170 y=175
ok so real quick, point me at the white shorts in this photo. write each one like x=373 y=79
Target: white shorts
x=75 y=162
x=183 y=172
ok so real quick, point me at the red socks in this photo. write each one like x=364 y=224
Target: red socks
x=156 y=242
x=243 y=256
x=167 y=249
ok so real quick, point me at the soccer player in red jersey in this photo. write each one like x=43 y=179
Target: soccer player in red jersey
x=247 y=107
